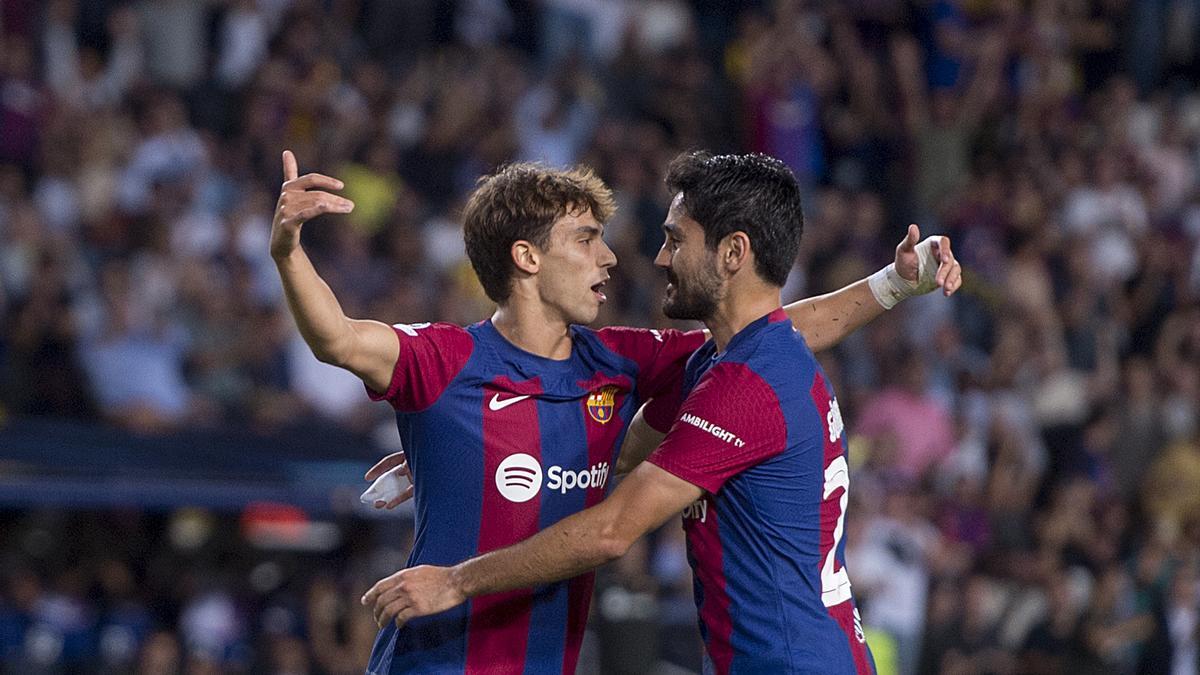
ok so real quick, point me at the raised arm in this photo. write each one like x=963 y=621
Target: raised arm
x=368 y=349
x=580 y=542
x=826 y=320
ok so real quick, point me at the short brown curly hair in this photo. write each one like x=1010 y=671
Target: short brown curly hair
x=521 y=202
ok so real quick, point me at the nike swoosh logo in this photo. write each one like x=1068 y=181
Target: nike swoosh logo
x=497 y=404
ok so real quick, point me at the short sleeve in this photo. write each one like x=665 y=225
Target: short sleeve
x=660 y=356
x=730 y=422
x=431 y=356
x=660 y=412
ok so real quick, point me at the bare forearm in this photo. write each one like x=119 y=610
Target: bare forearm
x=827 y=319
x=640 y=440
x=583 y=541
x=316 y=310
x=369 y=349
x=571 y=547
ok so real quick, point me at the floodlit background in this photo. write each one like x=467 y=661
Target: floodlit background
x=179 y=476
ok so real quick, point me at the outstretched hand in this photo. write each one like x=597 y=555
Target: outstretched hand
x=409 y=593
x=300 y=200
x=908 y=261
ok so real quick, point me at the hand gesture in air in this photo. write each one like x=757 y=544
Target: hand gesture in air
x=300 y=201
x=916 y=263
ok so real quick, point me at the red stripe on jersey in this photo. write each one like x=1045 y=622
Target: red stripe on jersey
x=846 y=616
x=498 y=628
x=835 y=583
x=430 y=357
x=601 y=439
x=704 y=540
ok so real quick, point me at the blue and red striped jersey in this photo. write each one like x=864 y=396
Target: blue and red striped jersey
x=760 y=431
x=503 y=443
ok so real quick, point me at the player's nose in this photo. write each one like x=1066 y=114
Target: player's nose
x=607 y=257
x=663 y=259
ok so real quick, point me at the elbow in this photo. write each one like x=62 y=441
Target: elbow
x=333 y=352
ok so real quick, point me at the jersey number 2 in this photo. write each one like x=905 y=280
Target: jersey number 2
x=835 y=585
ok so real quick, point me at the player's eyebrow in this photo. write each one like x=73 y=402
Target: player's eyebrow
x=672 y=229
x=591 y=230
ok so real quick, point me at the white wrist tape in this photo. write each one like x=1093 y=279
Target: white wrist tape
x=385 y=488
x=889 y=288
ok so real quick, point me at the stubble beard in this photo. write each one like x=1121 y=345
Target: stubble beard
x=699 y=301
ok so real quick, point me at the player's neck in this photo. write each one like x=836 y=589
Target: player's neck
x=739 y=309
x=532 y=329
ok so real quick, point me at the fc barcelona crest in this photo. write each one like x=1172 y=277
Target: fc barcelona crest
x=600 y=404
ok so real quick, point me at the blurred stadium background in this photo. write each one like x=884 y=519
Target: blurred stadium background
x=179 y=477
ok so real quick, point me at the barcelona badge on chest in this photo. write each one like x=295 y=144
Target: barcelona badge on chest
x=600 y=404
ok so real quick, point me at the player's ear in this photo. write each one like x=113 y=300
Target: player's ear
x=734 y=251
x=525 y=256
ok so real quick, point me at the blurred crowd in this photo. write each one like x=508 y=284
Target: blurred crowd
x=1026 y=455
x=130 y=592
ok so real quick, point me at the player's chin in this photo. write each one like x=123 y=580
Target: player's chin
x=585 y=314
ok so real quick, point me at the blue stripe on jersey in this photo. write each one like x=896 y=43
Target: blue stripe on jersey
x=438 y=644
x=446 y=536
x=562 y=427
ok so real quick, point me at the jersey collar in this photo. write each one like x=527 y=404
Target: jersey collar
x=776 y=315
